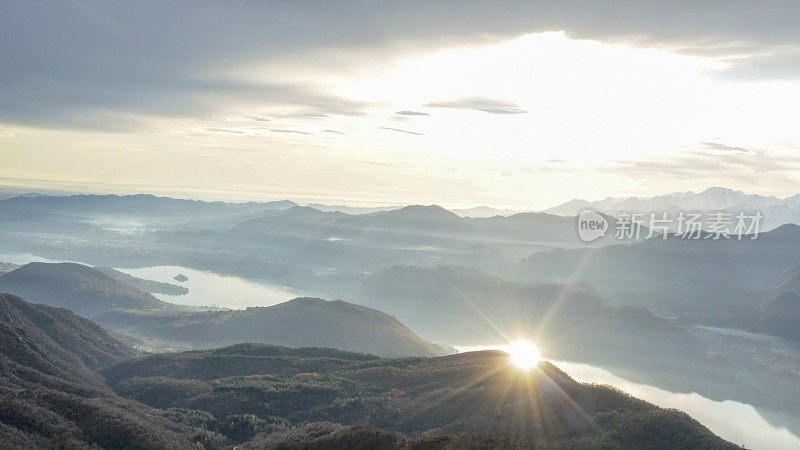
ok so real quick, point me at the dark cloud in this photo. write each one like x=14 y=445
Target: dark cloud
x=105 y=65
x=412 y=113
x=90 y=100
x=489 y=105
x=401 y=131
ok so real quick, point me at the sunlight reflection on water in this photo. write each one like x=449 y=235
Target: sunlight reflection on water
x=736 y=422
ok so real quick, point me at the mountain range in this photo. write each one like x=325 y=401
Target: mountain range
x=124 y=214
x=776 y=211
x=137 y=213
x=477 y=211
x=718 y=277
x=270 y=240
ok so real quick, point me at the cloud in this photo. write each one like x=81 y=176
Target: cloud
x=224 y=130
x=284 y=130
x=401 y=131
x=412 y=113
x=718 y=148
x=751 y=167
x=114 y=65
x=491 y=106
x=89 y=100
x=778 y=64
x=6 y=134
x=306 y=114
x=341 y=133
x=258 y=119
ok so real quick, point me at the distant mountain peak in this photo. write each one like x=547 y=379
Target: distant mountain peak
x=789 y=230
x=303 y=210
x=775 y=211
x=423 y=210
x=720 y=190
x=413 y=214
x=483 y=212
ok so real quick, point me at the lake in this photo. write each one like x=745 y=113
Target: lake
x=211 y=289
x=736 y=422
x=205 y=288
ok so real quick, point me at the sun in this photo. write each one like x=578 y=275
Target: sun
x=524 y=354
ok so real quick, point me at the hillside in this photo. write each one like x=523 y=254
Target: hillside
x=302 y=322
x=297 y=221
x=153 y=287
x=54 y=341
x=76 y=287
x=521 y=230
x=50 y=398
x=464 y=306
x=718 y=277
x=779 y=316
x=789 y=280
x=473 y=395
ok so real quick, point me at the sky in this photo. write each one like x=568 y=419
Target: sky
x=510 y=104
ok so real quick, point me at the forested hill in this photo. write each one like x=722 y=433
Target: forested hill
x=478 y=396
x=76 y=287
x=301 y=322
x=50 y=398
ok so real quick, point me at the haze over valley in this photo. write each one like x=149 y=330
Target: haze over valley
x=399 y=225
x=419 y=281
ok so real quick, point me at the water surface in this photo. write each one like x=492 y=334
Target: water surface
x=205 y=288
x=733 y=421
x=736 y=422
x=212 y=289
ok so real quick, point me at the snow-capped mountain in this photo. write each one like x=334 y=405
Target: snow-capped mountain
x=776 y=211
